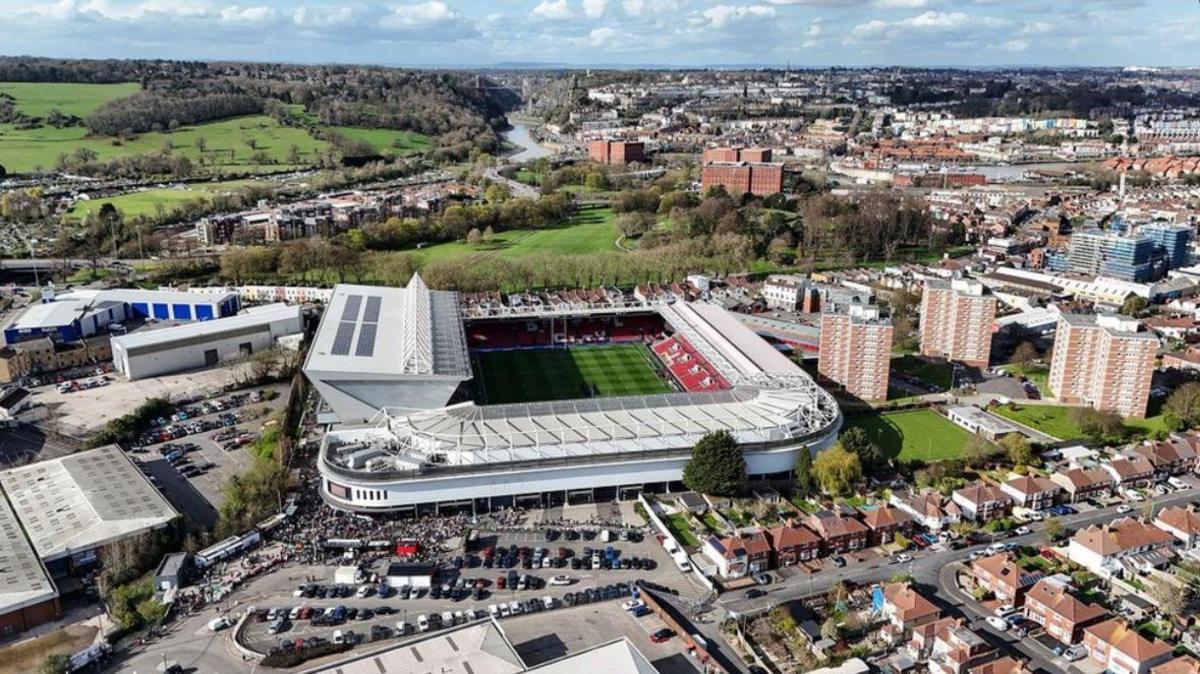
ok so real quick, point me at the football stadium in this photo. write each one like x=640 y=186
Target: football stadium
x=543 y=405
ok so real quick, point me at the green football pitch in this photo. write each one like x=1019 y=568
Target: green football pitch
x=565 y=373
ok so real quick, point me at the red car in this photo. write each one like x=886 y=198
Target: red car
x=501 y=582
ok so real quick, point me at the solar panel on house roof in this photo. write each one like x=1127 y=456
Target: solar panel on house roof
x=350 y=310
x=366 y=340
x=341 y=341
x=371 y=315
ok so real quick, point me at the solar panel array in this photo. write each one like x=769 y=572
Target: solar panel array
x=350 y=311
x=341 y=340
x=371 y=315
x=366 y=340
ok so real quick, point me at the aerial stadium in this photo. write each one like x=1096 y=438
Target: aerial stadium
x=542 y=405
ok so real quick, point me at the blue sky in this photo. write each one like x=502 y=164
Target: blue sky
x=592 y=32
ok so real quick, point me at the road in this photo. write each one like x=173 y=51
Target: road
x=515 y=187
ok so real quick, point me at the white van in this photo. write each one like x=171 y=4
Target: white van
x=423 y=622
x=220 y=623
x=548 y=602
x=339 y=637
x=403 y=628
x=494 y=611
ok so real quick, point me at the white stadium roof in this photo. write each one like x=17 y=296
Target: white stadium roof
x=418 y=332
x=83 y=501
x=772 y=401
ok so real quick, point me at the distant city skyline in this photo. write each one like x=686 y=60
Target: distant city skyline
x=613 y=33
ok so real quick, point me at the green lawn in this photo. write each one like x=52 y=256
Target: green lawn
x=145 y=202
x=588 y=231
x=679 y=526
x=936 y=372
x=560 y=374
x=919 y=434
x=227 y=145
x=1055 y=420
x=386 y=141
x=37 y=99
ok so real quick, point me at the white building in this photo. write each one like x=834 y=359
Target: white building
x=152 y=353
x=784 y=291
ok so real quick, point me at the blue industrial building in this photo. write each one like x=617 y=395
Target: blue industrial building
x=83 y=313
x=1173 y=241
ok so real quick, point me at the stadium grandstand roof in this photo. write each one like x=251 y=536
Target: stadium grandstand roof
x=83 y=501
x=419 y=331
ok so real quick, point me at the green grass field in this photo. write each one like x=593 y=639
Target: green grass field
x=588 y=231
x=227 y=141
x=147 y=202
x=37 y=99
x=919 y=434
x=1055 y=420
x=561 y=374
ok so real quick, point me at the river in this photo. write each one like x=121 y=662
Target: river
x=519 y=135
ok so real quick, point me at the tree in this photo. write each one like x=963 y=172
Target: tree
x=474 y=236
x=1053 y=529
x=293 y=156
x=1098 y=426
x=1182 y=409
x=55 y=663
x=200 y=143
x=596 y=182
x=1171 y=598
x=1134 y=306
x=806 y=484
x=1018 y=449
x=717 y=466
x=837 y=470
x=1025 y=353
x=979 y=450
x=855 y=439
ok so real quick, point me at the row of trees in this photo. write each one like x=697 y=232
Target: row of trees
x=158 y=111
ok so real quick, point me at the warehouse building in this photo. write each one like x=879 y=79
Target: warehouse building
x=28 y=597
x=76 y=314
x=156 y=352
x=73 y=506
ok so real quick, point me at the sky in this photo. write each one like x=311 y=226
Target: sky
x=615 y=32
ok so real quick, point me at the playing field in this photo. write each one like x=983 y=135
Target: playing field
x=561 y=374
x=920 y=434
x=588 y=231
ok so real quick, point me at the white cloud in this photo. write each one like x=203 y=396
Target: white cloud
x=871 y=29
x=552 y=9
x=247 y=14
x=722 y=15
x=602 y=36
x=594 y=9
x=433 y=11
x=1016 y=45
x=900 y=4
x=634 y=7
x=815 y=28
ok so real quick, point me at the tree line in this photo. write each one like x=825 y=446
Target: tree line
x=158 y=111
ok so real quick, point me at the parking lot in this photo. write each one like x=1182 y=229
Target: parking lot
x=205 y=460
x=257 y=635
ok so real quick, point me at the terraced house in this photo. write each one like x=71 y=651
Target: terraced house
x=982 y=502
x=1120 y=547
x=839 y=532
x=792 y=543
x=1034 y=493
x=1003 y=577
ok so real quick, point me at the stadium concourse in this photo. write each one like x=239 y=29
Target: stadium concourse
x=553 y=406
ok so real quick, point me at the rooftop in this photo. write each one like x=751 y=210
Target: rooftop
x=23 y=579
x=83 y=501
x=149 y=341
x=421 y=331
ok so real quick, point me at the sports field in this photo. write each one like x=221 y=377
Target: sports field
x=561 y=374
x=919 y=434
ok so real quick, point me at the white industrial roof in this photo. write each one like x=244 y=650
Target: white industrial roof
x=411 y=331
x=83 y=501
x=23 y=578
x=186 y=331
x=614 y=657
x=474 y=648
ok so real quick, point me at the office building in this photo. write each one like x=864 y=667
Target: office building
x=1129 y=258
x=738 y=178
x=1174 y=242
x=957 y=317
x=856 y=345
x=1103 y=361
x=616 y=151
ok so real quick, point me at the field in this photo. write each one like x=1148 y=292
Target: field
x=147 y=202
x=561 y=374
x=227 y=142
x=919 y=434
x=1055 y=420
x=588 y=231
x=38 y=99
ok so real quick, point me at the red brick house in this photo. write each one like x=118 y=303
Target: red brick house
x=885 y=522
x=1119 y=648
x=1034 y=493
x=1081 y=484
x=838 y=532
x=743 y=553
x=792 y=543
x=1061 y=615
x=1001 y=576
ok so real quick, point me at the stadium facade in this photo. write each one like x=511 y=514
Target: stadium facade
x=430 y=445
